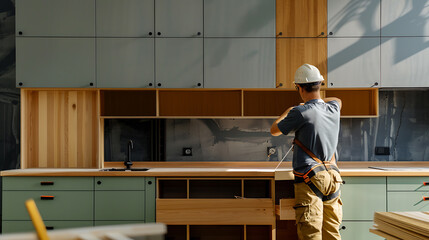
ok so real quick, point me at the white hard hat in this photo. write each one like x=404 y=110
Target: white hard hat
x=307 y=74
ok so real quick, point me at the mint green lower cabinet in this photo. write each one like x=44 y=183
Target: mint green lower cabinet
x=105 y=223
x=357 y=230
x=407 y=201
x=407 y=184
x=27 y=226
x=65 y=205
x=362 y=196
x=120 y=205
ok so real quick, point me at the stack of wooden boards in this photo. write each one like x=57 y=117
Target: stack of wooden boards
x=401 y=225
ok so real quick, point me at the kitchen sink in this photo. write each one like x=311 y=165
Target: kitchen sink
x=123 y=169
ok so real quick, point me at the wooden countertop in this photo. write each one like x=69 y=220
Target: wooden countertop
x=234 y=170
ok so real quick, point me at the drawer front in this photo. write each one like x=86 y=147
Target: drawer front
x=66 y=205
x=27 y=226
x=357 y=230
x=362 y=196
x=407 y=201
x=120 y=183
x=407 y=184
x=106 y=223
x=48 y=183
x=120 y=205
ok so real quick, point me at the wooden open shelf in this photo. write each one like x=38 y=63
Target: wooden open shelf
x=128 y=103
x=269 y=103
x=356 y=102
x=59 y=128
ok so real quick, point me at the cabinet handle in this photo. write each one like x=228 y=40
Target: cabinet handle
x=20 y=32
x=425 y=183
x=280 y=33
x=150 y=33
x=199 y=84
x=280 y=85
x=150 y=182
x=98 y=182
x=159 y=84
x=49 y=227
x=322 y=33
x=199 y=33
x=45 y=197
x=344 y=182
x=46 y=183
x=20 y=83
x=425 y=198
x=150 y=84
x=159 y=33
x=343 y=228
x=91 y=84
x=331 y=33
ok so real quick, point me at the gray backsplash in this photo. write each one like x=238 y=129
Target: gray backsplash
x=402 y=127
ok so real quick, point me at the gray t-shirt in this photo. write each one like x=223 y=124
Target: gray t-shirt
x=316 y=124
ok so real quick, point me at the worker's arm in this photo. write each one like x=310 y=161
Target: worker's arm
x=328 y=99
x=275 y=131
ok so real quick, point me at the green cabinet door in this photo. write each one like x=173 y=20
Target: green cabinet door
x=362 y=196
x=52 y=205
x=47 y=183
x=120 y=205
x=407 y=201
x=407 y=184
x=355 y=230
x=27 y=226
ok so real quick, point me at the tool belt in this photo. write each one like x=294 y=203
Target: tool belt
x=321 y=166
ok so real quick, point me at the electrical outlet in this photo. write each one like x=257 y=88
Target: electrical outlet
x=271 y=150
x=187 y=151
x=382 y=151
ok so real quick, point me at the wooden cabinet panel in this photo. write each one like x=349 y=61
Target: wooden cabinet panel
x=404 y=18
x=239 y=18
x=239 y=62
x=301 y=18
x=126 y=18
x=125 y=62
x=55 y=62
x=59 y=129
x=293 y=52
x=353 y=62
x=269 y=103
x=199 y=103
x=55 y=18
x=180 y=18
x=356 y=102
x=179 y=62
x=353 y=18
x=404 y=62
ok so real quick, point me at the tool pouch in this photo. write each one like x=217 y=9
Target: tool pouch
x=328 y=182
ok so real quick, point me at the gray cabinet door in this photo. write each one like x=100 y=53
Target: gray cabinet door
x=55 y=62
x=404 y=62
x=125 y=18
x=125 y=62
x=179 y=62
x=239 y=18
x=358 y=230
x=179 y=18
x=354 y=18
x=55 y=18
x=353 y=62
x=405 y=18
x=239 y=63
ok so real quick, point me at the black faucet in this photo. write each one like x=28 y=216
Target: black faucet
x=128 y=163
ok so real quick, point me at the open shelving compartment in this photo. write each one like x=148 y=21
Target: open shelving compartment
x=236 y=208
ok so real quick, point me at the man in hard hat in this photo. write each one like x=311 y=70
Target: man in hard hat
x=316 y=124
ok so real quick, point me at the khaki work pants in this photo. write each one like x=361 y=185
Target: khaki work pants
x=317 y=219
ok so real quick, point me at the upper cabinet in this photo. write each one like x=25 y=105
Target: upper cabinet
x=55 y=62
x=405 y=18
x=354 y=18
x=404 y=62
x=125 y=62
x=301 y=18
x=182 y=18
x=125 y=18
x=239 y=62
x=179 y=62
x=55 y=18
x=353 y=62
x=239 y=18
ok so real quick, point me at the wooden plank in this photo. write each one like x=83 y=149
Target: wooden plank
x=215 y=211
x=303 y=18
x=294 y=52
x=383 y=234
x=286 y=209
